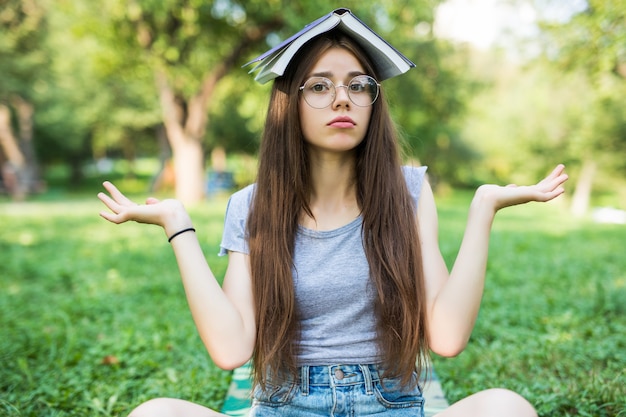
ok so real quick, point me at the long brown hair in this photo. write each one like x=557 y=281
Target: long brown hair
x=389 y=229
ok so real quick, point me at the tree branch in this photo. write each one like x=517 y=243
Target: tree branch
x=196 y=122
x=173 y=114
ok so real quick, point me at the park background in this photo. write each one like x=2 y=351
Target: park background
x=151 y=94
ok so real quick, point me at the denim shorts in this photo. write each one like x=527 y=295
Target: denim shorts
x=337 y=391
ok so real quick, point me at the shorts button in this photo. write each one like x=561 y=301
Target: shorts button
x=339 y=374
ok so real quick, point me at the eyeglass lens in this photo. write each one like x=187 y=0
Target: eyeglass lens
x=319 y=92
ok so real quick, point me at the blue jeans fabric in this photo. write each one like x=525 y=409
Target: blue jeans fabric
x=338 y=391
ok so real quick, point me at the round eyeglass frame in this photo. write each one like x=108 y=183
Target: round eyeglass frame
x=332 y=93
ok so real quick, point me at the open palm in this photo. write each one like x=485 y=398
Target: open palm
x=545 y=190
x=123 y=209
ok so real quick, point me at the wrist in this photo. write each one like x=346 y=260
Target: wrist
x=180 y=232
x=483 y=204
x=175 y=218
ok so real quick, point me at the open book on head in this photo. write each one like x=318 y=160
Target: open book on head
x=386 y=59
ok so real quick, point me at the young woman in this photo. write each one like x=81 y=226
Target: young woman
x=335 y=286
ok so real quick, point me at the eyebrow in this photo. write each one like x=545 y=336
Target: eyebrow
x=329 y=74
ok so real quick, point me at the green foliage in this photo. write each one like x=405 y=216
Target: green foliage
x=98 y=97
x=94 y=102
x=238 y=114
x=94 y=318
x=593 y=40
x=89 y=69
x=515 y=119
x=592 y=45
x=552 y=323
x=526 y=119
x=79 y=108
x=22 y=57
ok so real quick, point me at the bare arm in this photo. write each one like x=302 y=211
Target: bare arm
x=454 y=298
x=223 y=315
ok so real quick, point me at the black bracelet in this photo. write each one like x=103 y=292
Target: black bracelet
x=190 y=229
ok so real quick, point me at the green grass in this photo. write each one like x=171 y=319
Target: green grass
x=552 y=324
x=94 y=319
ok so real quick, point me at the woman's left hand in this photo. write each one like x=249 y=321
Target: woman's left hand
x=505 y=196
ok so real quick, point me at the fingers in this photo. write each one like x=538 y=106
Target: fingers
x=117 y=203
x=113 y=216
x=116 y=194
x=109 y=202
x=552 y=186
x=123 y=210
x=110 y=217
x=559 y=178
x=556 y=171
x=512 y=194
x=550 y=195
x=555 y=179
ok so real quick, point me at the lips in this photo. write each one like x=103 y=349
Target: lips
x=342 y=122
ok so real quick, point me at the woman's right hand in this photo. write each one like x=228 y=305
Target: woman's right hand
x=169 y=214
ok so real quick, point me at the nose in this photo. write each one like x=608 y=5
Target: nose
x=341 y=96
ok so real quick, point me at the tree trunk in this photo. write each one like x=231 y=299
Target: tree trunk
x=15 y=160
x=31 y=174
x=8 y=141
x=130 y=155
x=185 y=119
x=20 y=170
x=186 y=144
x=584 y=185
x=189 y=170
x=163 y=179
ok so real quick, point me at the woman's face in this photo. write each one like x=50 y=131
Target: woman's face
x=342 y=125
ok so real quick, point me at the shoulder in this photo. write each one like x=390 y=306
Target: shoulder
x=245 y=193
x=239 y=205
x=234 y=234
x=239 y=202
x=414 y=177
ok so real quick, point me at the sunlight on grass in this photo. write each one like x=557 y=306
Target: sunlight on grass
x=553 y=313
x=95 y=318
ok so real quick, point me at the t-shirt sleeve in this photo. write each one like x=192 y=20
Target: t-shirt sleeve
x=234 y=237
x=414 y=177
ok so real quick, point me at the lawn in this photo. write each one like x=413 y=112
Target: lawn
x=94 y=318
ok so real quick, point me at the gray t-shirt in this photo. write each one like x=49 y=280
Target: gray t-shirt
x=334 y=293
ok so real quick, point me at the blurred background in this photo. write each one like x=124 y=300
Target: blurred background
x=503 y=90
x=151 y=94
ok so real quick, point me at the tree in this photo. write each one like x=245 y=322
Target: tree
x=22 y=28
x=525 y=120
x=191 y=46
x=593 y=43
x=429 y=102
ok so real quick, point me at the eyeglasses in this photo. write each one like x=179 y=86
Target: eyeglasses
x=320 y=92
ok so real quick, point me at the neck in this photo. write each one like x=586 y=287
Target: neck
x=333 y=196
